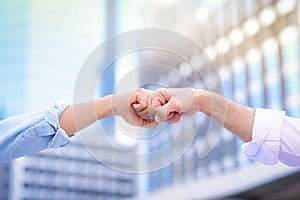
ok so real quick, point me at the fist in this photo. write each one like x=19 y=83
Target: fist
x=170 y=104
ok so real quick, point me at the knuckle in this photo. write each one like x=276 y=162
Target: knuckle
x=160 y=90
x=139 y=91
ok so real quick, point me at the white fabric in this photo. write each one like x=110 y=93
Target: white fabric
x=275 y=137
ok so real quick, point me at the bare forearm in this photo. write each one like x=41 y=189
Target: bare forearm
x=77 y=117
x=233 y=116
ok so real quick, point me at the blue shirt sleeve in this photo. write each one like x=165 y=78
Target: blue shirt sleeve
x=29 y=133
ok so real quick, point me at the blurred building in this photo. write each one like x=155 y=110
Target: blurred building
x=255 y=45
x=43 y=45
x=13 y=23
x=71 y=173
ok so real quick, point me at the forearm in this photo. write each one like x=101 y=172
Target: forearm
x=233 y=116
x=77 y=117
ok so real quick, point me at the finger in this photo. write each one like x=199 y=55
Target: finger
x=161 y=114
x=157 y=101
x=171 y=115
x=156 y=107
x=153 y=111
x=165 y=111
x=138 y=107
x=142 y=107
x=142 y=102
x=166 y=117
x=176 y=118
x=159 y=98
x=144 y=114
x=145 y=123
x=137 y=120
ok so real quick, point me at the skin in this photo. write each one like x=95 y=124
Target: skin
x=130 y=106
x=147 y=109
x=169 y=105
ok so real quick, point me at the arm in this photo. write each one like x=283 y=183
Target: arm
x=170 y=104
x=270 y=136
x=32 y=132
x=235 y=117
x=130 y=106
x=76 y=117
x=29 y=133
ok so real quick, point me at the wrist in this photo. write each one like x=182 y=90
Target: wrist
x=104 y=107
x=203 y=99
x=118 y=104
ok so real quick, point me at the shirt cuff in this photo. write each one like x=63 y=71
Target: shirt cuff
x=60 y=137
x=266 y=135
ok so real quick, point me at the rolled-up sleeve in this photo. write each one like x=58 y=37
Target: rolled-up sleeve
x=275 y=137
x=290 y=142
x=266 y=136
x=29 y=133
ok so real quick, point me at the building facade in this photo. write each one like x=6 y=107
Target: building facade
x=255 y=46
x=43 y=46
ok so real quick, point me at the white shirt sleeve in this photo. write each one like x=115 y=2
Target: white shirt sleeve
x=275 y=137
x=290 y=141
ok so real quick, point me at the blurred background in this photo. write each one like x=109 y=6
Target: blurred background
x=254 y=43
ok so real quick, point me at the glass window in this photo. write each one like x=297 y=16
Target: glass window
x=272 y=74
x=289 y=41
x=239 y=80
x=256 y=85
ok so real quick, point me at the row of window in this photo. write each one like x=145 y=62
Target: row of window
x=267 y=76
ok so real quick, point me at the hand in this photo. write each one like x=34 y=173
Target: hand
x=170 y=104
x=134 y=107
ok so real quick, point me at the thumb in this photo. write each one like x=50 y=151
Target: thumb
x=138 y=107
x=165 y=112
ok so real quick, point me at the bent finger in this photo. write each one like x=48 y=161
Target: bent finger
x=176 y=118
